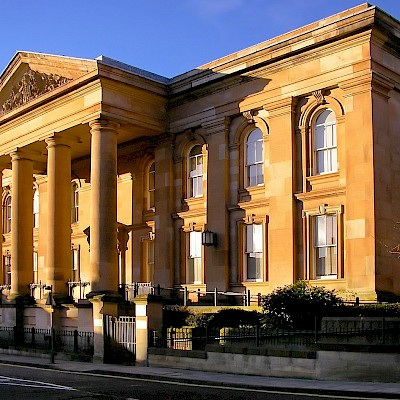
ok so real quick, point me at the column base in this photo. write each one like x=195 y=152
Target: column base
x=21 y=300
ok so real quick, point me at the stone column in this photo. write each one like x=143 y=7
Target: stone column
x=103 y=228
x=103 y=207
x=164 y=227
x=58 y=215
x=216 y=258
x=21 y=225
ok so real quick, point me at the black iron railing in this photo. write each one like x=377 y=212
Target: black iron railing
x=71 y=341
x=362 y=331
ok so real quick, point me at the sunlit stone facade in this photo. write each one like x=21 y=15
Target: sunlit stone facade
x=288 y=152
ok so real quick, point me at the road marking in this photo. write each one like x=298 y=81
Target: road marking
x=7 y=381
x=266 y=390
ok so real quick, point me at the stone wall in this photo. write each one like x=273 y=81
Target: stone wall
x=322 y=365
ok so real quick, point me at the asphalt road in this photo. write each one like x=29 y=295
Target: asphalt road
x=23 y=382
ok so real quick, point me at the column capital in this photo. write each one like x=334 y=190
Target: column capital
x=101 y=123
x=20 y=154
x=57 y=141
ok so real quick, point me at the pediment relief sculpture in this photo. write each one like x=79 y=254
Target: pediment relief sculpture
x=32 y=85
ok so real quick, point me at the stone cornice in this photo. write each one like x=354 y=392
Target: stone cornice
x=280 y=107
x=217 y=125
x=331 y=192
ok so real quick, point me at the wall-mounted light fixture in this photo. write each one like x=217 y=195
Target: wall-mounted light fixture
x=208 y=238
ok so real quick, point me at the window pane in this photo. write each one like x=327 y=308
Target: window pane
x=259 y=151
x=319 y=137
x=260 y=174
x=249 y=238
x=195 y=244
x=321 y=255
x=198 y=186
x=150 y=252
x=190 y=270
x=252 y=171
x=151 y=181
x=257 y=238
x=197 y=273
x=251 y=158
x=331 y=229
x=320 y=231
x=192 y=163
x=151 y=199
x=329 y=140
x=199 y=161
x=334 y=159
x=254 y=266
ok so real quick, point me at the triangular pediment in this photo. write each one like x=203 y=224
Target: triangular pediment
x=31 y=75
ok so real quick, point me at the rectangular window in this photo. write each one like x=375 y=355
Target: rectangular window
x=7 y=269
x=151 y=183
x=75 y=263
x=35 y=266
x=325 y=246
x=36 y=209
x=254 y=262
x=149 y=260
x=195 y=260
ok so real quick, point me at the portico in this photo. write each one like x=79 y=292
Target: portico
x=62 y=120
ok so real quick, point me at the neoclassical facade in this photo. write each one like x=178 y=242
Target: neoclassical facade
x=286 y=153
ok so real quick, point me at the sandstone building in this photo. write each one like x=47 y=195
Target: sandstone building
x=286 y=153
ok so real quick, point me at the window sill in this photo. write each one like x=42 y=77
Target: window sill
x=323 y=181
x=250 y=193
x=194 y=202
x=254 y=282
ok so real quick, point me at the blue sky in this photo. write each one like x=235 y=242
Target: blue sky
x=167 y=37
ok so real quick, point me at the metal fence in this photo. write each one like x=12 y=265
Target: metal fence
x=351 y=331
x=191 y=297
x=32 y=338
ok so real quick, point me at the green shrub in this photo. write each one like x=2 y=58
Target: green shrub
x=198 y=320
x=234 y=318
x=175 y=317
x=380 y=310
x=225 y=318
x=296 y=306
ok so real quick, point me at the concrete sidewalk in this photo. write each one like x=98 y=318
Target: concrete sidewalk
x=352 y=389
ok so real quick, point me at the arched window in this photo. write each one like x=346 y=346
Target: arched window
x=74 y=203
x=7 y=215
x=254 y=158
x=36 y=209
x=325 y=146
x=151 y=181
x=195 y=172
